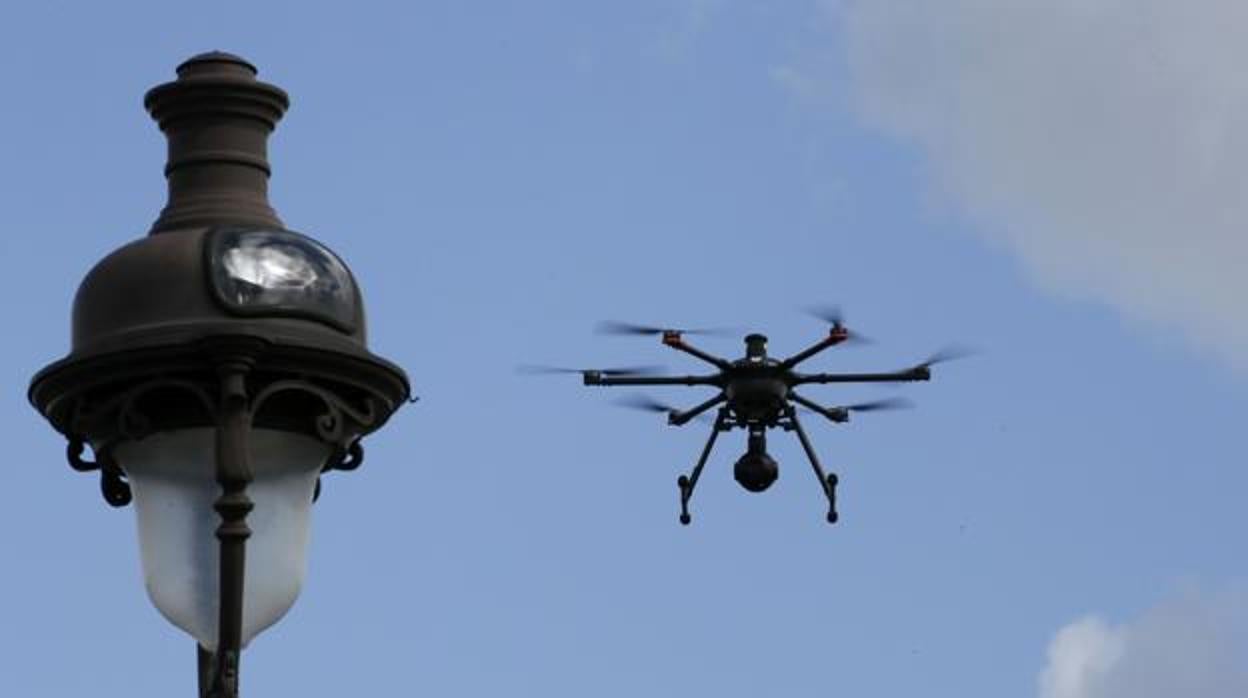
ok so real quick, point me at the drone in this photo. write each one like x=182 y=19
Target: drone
x=756 y=393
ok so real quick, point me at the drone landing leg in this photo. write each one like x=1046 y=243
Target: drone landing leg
x=827 y=482
x=686 y=484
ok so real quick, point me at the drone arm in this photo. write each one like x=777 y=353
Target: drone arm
x=835 y=414
x=597 y=378
x=835 y=336
x=682 y=418
x=687 y=484
x=674 y=340
x=827 y=482
x=918 y=373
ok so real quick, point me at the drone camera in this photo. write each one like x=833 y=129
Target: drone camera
x=756 y=470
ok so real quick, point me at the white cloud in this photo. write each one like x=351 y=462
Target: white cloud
x=1104 y=141
x=1195 y=646
x=1080 y=658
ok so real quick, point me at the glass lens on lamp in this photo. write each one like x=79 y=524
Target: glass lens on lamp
x=278 y=272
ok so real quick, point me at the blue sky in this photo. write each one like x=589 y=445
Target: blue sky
x=1059 y=186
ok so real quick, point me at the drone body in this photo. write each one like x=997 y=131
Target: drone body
x=756 y=393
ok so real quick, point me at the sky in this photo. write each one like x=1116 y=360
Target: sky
x=1057 y=184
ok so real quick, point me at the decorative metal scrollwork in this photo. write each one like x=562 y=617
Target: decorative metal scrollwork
x=342 y=459
x=339 y=425
x=331 y=426
x=113 y=484
x=125 y=417
x=121 y=417
x=349 y=458
x=73 y=453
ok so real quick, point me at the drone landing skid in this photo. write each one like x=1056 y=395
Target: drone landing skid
x=827 y=482
x=687 y=483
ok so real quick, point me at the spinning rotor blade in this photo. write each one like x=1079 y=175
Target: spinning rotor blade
x=626 y=328
x=833 y=315
x=830 y=314
x=637 y=401
x=533 y=369
x=892 y=403
x=949 y=353
x=645 y=403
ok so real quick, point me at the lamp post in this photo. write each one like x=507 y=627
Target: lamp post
x=218 y=366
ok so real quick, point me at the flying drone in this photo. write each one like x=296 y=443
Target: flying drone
x=756 y=393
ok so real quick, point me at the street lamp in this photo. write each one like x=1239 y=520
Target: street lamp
x=218 y=367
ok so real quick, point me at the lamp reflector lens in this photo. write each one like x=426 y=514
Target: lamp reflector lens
x=278 y=272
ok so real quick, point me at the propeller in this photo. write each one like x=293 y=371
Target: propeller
x=536 y=369
x=830 y=314
x=841 y=413
x=626 y=328
x=949 y=353
x=645 y=403
x=834 y=316
x=891 y=403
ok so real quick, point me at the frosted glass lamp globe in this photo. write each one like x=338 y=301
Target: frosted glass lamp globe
x=173 y=477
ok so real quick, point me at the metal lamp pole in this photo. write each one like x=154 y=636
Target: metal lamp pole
x=219 y=365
